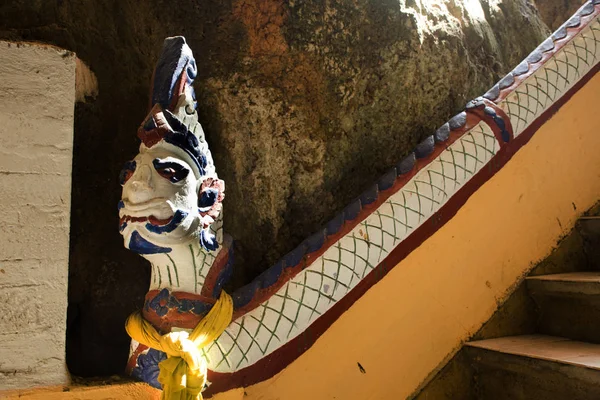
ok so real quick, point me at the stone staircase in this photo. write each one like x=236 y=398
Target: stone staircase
x=544 y=342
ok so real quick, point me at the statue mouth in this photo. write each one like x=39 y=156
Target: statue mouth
x=156 y=212
x=151 y=219
x=154 y=224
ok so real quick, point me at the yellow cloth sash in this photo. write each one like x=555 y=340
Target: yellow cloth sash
x=183 y=374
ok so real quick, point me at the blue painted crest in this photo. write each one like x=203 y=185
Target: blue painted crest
x=175 y=59
x=175 y=66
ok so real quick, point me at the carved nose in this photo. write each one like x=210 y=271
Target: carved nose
x=140 y=186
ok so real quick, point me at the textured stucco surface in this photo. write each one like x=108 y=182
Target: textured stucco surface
x=305 y=103
x=37 y=95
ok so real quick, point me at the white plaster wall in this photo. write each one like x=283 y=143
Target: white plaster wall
x=37 y=97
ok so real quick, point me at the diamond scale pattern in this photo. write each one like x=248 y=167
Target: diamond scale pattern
x=546 y=85
x=313 y=291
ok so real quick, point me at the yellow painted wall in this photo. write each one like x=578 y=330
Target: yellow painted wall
x=405 y=326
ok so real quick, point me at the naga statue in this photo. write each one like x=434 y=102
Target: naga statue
x=171 y=214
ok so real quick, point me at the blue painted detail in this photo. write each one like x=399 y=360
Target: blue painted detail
x=163 y=302
x=149 y=124
x=500 y=122
x=407 y=164
x=122 y=226
x=120 y=205
x=369 y=196
x=207 y=199
x=534 y=57
x=225 y=273
x=245 y=294
x=176 y=57
x=294 y=257
x=335 y=224
x=493 y=93
x=270 y=276
x=281 y=264
x=489 y=111
x=442 y=134
x=171 y=226
x=173 y=171
x=507 y=81
x=573 y=22
x=159 y=303
x=129 y=167
x=181 y=137
x=458 y=121
x=351 y=211
x=425 y=148
x=140 y=245
x=587 y=9
x=186 y=305
x=475 y=103
x=546 y=45
x=315 y=241
x=520 y=69
x=560 y=33
x=147 y=369
x=387 y=180
x=208 y=241
x=200 y=307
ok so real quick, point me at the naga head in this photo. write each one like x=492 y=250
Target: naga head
x=171 y=192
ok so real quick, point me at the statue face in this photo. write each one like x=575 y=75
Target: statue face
x=159 y=203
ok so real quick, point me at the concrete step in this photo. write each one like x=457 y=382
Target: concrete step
x=571 y=284
x=568 y=304
x=535 y=367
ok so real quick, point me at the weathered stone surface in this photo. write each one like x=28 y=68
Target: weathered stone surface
x=305 y=104
x=555 y=12
x=36 y=126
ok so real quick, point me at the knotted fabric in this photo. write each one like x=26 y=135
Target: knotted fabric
x=183 y=374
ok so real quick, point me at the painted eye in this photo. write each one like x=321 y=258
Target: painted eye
x=167 y=173
x=127 y=172
x=172 y=171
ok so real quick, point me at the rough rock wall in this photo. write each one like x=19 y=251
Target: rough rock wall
x=304 y=103
x=328 y=95
x=555 y=12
